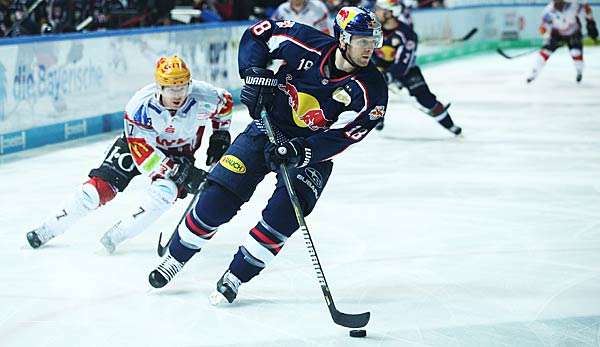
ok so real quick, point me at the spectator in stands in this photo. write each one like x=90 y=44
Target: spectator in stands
x=5 y=22
x=309 y=12
x=56 y=19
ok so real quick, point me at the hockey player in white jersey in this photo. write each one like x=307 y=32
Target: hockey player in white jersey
x=309 y=12
x=561 y=26
x=164 y=123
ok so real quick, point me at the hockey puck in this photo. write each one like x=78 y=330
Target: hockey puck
x=358 y=333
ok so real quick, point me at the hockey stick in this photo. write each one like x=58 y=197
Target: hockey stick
x=468 y=35
x=25 y=16
x=84 y=23
x=160 y=249
x=502 y=53
x=340 y=318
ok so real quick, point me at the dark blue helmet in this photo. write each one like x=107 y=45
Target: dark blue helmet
x=357 y=21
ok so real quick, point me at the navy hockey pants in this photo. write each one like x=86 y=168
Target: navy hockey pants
x=233 y=181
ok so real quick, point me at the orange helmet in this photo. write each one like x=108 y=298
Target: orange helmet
x=172 y=71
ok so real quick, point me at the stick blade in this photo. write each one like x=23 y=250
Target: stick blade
x=351 y=320
x=470 y=34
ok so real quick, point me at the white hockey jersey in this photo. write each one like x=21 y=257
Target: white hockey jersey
x=314 y=13
x=564 y=22
x=155 y=136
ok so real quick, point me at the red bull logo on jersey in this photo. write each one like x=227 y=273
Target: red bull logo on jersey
x=306 y=110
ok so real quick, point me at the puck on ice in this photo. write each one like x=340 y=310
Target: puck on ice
x=358 y=333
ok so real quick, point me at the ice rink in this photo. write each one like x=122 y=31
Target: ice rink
x=492 y=239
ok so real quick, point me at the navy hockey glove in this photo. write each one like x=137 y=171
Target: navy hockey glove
x=258 y=91
x=217 y=145
x=592 y=29
x=294 y=153
x=188 y=177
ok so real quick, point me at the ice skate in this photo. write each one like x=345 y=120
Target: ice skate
x=227 y=289
x=165 y=272
x=108 y=243
x=579 y=77
x=456 y=130
x=39 y=237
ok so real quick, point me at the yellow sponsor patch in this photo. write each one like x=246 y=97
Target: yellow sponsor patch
x=232 y=163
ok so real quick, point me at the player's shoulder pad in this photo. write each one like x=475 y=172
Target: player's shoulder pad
x=405 y=32
x=140 y=98
x=366 y=87
x=201 y=88
x=291 y=29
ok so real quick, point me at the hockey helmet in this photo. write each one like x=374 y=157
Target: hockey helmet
x=357 y=21
x=172 y=71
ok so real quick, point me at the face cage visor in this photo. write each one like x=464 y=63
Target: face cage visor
x=374 y=40
x=175 y=92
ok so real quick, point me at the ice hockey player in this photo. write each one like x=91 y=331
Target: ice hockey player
x=310 y=12
x=561 y=26
x=164 y=123
x=327 y=97
x=397 y=60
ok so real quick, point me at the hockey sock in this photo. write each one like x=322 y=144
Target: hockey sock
x=539 y=63
x=161 y=196
x=180 y=250
x=261 y=245
x=577 y=57
x=86 y=199
x=441 y=115
x=245 y=266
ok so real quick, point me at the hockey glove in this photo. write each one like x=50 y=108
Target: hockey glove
x=185 y=175
x=592 y=29
x=294 y=153
x=217 y=145
x=258 y=91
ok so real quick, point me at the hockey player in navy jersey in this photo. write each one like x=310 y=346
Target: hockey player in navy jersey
x=325 y=98
x=397 y=60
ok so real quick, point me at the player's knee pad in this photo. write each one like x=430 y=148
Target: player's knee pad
x=96 y=192
x=262 y=244
x=162 y=193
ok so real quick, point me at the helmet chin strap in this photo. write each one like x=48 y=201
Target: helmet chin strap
x=348 y=59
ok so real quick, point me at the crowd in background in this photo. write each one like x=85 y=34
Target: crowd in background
x=33 y=17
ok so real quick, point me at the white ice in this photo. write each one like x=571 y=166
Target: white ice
x=488 y=240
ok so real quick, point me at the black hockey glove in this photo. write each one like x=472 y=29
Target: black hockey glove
x=217 y=145
x=592 y=29
x=258 y=90
x=294 y=153
x=185 y=175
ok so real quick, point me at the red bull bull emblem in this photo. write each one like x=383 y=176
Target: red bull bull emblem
x=377 y=112
x=306 y=110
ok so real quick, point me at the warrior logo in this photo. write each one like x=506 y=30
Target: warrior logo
x=306 y=109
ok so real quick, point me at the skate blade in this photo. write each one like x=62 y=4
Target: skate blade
x=216 y=299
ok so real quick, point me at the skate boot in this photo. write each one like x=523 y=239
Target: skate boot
x=227 y=289
x=165 y=272
x=579 y=77
x=111 y=239
x=456 y=130
x=108 y=243
x=39 y=237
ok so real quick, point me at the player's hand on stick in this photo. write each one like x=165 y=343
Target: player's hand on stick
x=185 y=175
x=293 y=153
x=258 y=91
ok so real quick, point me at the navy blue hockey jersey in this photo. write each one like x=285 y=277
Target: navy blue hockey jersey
x=398 y=53
x=331 y=113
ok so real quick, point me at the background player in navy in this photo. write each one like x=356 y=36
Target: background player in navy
x=397 y=60
x=326 y=97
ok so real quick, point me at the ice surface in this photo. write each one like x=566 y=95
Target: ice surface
x=488 y=240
